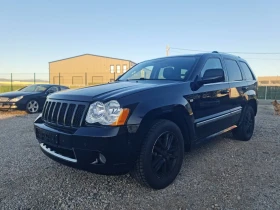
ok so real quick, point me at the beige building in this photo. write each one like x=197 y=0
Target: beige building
x=87 y=69
x=269 y=81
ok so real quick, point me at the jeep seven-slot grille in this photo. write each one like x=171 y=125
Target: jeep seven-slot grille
x=64 y=113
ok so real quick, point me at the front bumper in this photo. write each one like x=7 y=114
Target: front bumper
x=11 y=105
x=87 y=147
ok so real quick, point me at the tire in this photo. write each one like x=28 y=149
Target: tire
x=32 y=106
x=160 y=161
x=245 y=130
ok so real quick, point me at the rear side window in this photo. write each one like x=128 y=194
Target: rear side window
x=234 y=73
x=247 y=71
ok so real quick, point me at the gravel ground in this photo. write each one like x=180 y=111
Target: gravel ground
x=9 y=114
x=222 y=174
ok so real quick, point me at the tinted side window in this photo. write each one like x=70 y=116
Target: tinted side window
x=54 y=89
x=63 y=88
x=247 y=71
x=234 y=73
x=211 y=63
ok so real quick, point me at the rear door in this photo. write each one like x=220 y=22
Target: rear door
x=238 y=86
x=210 y=103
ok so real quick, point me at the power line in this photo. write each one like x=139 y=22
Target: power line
x=271 y=59
x=175 y=48
x=276 y=59
x=256 y=53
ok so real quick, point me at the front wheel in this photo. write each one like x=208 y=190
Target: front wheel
x=245 y=130
x=161 y=155
x=32 y=106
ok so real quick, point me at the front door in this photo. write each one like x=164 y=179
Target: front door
x=211 y=104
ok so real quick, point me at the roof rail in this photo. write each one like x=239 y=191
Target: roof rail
x=215 y=52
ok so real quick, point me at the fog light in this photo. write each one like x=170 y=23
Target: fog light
x=102 y=158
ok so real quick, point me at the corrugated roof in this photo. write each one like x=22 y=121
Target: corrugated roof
x=92 y=55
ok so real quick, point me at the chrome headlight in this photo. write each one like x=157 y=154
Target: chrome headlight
x=16 y=99
x=109 y=113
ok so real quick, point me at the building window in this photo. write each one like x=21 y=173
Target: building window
x=118 y=69
x=124 y=68
x=112 y=69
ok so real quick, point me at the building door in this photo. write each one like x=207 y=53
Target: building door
x=97 y=80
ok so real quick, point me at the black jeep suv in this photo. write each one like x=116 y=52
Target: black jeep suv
x=144 y=121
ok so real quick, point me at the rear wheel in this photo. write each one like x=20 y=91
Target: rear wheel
x=245 y=130
x=32 y=106
x=161 y=155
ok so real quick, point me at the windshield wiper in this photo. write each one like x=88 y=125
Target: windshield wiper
x=141 y=78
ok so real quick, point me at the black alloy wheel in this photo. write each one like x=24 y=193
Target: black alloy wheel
x=165 y=154
x=161 y=155
x=249 y=123
x=245 y=129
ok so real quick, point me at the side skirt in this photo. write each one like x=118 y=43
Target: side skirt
x=215 y=134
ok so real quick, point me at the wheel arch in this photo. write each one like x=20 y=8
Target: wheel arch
x=251 y=97
x=181 y=115
x=253 y=103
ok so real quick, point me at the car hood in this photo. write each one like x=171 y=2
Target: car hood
x=111 y=90
x=16 y=94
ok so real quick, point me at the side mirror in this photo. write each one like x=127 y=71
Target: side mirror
x=209 y=76
x=212 y=76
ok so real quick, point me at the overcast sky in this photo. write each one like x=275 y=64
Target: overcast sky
x=32 y=33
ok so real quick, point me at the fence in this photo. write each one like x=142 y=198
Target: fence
x=11 y=82
x=15 y=81
x=269 y=92
x=82 y=79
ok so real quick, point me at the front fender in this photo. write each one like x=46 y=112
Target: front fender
x=174 y=108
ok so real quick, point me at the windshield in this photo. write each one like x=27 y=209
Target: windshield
x=173 y=68
x=34 y=88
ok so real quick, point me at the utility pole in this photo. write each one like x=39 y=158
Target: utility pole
x=167 y=50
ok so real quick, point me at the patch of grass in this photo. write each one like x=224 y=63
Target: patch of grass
x=6 y=88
